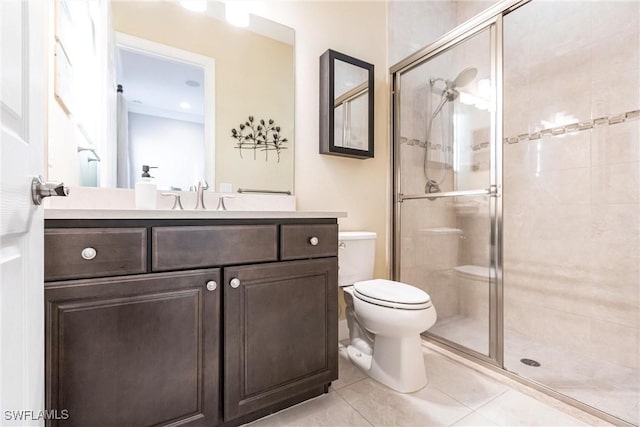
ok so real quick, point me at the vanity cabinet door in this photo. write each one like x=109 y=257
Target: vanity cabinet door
x=134 y=350
x=280 y=333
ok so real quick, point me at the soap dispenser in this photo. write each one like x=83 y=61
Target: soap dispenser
x=146 y=190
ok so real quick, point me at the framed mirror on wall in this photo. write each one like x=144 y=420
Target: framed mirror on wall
x=346 y=106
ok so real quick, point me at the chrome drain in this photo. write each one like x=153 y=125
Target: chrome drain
x=530 y=362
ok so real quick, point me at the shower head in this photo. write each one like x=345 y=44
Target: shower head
x=465 y=77
x=450 y=93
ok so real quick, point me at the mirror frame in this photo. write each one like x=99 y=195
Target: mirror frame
x=327 y=96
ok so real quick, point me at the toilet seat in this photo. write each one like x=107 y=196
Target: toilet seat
x=391 y=294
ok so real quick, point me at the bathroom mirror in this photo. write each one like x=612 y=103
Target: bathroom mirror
x=188 y=78
x=346 y=106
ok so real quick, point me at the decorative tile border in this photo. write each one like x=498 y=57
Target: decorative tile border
x=481 y=146
x=423 y=144
x=575 y=127
x=560 y=130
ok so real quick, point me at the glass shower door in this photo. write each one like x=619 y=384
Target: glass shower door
x=444 y=130
x=571 y=201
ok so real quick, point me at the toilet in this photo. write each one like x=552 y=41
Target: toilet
x=385 y=318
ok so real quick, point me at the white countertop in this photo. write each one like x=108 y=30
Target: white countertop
x=185 y=214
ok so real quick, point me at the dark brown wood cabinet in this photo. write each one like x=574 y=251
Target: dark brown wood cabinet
x=280 y=332
x=187 y=346
x=116 y=252
x=177 y=248
x=134 y=351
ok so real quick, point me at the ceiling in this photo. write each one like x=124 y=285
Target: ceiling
x=157 y=86
x=257 y=24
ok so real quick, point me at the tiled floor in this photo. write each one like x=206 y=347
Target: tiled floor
x=603 y=385
x=456 y=395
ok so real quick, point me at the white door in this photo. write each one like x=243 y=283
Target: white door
x=23 y=79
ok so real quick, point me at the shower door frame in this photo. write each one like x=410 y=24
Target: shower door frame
x=493 y=24
x=491 y=20
x=495 y=361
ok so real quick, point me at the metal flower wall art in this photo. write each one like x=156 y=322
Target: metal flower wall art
x=259 y=136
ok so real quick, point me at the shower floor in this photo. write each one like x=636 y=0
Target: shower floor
x=606 y=386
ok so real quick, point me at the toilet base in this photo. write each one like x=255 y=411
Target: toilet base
x=360 y=359
x=396 y=362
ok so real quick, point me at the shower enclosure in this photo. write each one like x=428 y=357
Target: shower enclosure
x=516 y=188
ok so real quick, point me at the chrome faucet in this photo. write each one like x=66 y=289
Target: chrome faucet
x=221 y=205
x=177 y=204
x=201 y=186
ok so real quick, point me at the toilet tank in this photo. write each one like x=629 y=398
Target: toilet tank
x=356 y=256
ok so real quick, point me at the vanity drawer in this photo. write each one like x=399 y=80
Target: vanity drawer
x=74 y=253
x=297 y=241
x=178 y=248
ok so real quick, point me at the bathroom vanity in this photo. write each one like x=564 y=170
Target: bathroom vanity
x=212 y=319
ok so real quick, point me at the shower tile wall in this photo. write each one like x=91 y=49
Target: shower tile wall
x=571 y=212
x=416 y=24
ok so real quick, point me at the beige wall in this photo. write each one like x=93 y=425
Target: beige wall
x=360 y=187
x=254 y=76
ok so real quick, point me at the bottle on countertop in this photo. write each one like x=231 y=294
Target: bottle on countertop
x=146 y=190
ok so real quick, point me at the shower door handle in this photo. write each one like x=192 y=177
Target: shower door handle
x=432 y=196
x=493 y=191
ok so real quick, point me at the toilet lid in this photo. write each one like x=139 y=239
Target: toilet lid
x=392 y=294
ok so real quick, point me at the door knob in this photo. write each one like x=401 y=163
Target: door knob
x=212 y=285
x=41 y=189
x=235 y=282
x=314 y=241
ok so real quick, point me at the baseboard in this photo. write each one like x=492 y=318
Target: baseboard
x=343 y=330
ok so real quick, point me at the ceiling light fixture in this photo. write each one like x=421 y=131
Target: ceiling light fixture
x=194 y=5
x=236 y=13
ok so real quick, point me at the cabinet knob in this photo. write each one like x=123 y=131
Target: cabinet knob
x=235 y=282
x=212 y=285
x=314 y=241
x=88 y=253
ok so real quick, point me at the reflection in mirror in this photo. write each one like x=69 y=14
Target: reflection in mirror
x=161 y=103
x=350 y=102
x=186 y=78
x=346 y=106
